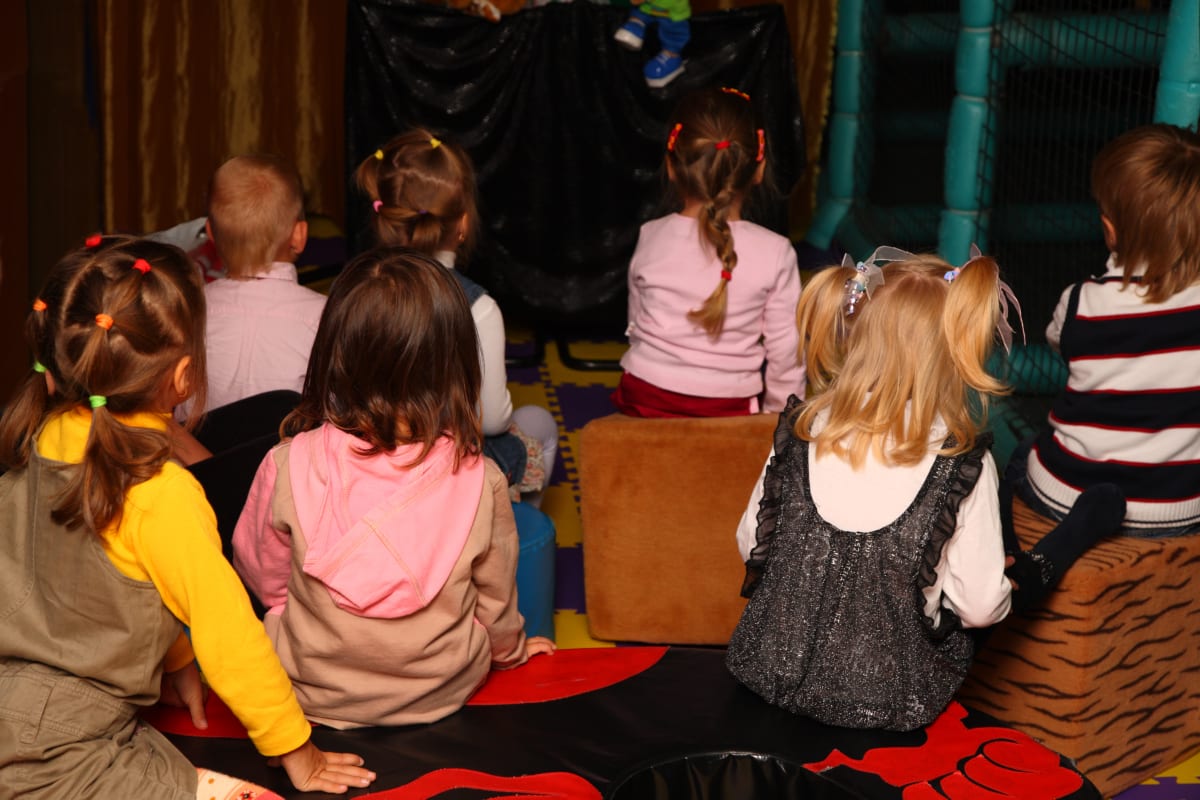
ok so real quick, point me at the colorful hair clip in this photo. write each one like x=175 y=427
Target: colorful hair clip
x=673 y=136
x=435 y=142
x=39 y=366
x=738 y=92
x=762 y=145
x=39 y=304
x=726 y=275
x=868 y=276
x=93 y=241
x=104 y=321
x=1004 y=328
x=97 y=400
x=721 y=145
x=378 y=204
x=951 y=274
x=142 y=265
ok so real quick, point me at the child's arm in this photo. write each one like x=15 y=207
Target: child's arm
x=747 y=530
x=975 y=586
x=785 y=370
x=262 y=553
x=495 y=577
x=494 y=399
x=1054 y=329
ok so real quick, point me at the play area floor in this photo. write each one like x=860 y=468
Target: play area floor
x=576 y=396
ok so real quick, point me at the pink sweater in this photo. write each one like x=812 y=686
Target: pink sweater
x=672 y=272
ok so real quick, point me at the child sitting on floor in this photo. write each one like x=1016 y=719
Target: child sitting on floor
x=422 y=191
x=695 y=351
x=382 y=544
x=261 y=321
x=1128 y=414
x=873 y=536
x=127 y=553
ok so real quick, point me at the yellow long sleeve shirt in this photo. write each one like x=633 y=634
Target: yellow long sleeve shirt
x=167 y=535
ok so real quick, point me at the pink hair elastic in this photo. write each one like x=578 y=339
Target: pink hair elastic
x=378 y=204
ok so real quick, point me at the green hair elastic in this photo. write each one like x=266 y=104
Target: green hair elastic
x=97 y=400
x=39 y=366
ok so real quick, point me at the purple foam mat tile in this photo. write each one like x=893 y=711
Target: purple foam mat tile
x=580 y=405
x=568 y=583
x=1166 y=789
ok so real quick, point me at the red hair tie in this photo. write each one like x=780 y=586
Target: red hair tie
x=93 y=240
x=762 y=145
x=726 y=275
x=721 y=145
x=142 y=265
x=104 y=321
x=738 y=92
x=674 y=135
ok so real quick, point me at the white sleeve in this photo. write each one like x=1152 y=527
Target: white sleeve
x=974 y=585
x=494 y=400
x=1054 y=329
x=747 y=530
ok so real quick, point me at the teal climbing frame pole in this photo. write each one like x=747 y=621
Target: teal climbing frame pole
x=1178 y=98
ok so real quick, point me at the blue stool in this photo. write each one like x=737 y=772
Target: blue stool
x=535 y=570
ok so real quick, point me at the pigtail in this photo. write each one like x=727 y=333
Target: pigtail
x=22 y=416
x=822 y=325
x=969 y=325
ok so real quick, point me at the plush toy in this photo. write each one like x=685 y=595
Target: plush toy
x=674 y=31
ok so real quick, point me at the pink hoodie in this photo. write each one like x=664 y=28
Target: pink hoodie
x=373 y=570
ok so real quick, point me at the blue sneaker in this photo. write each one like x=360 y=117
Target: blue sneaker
x=631 y=34
x=663 y=68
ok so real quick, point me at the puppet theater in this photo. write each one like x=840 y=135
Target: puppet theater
x=917 y=123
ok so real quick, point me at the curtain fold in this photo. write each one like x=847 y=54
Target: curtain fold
x=187 y=83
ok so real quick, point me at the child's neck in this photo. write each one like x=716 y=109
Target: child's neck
x=693 y=208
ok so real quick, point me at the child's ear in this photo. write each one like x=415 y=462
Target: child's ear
x=299 y=237
x=464 y=226
x=1110 y=232
x=181 y=378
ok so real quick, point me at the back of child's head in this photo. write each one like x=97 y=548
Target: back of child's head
x=254 y=203
x=715 y=153
x=1147 y=183
x=126 y=317
x=422 y=190
x=888 y=364
x=396 y=359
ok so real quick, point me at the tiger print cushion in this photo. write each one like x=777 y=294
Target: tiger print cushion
x=1108 y=670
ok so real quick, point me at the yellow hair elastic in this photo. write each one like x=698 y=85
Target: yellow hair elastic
x=379 y=155
x=435 y=142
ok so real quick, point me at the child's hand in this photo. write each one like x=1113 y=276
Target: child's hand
x=537 y=645
x=184 y=689
x=313 y=770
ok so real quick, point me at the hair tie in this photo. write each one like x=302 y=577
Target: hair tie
x=738 y=92
x=762 y=145
x=1004 y=328
x=142 y=265
x=39 y=304
x=97 y=400
x=378 y=204
x=726 y=275
x=721 y=145
x=379 y=155
x=93 y=240
x=39 y=366
x=104 y=321
x=673 y=136
x=435 y=142
x=422 y=211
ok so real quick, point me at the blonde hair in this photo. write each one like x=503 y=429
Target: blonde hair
x=254 y=202
x=422 y=187
x=914 y=352
x=713 y=157
x=1147 y=182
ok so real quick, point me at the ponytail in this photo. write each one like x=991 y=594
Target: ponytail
x=822 y=325
x=969 y=323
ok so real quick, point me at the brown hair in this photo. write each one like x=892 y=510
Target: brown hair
x=154 y=298
x=396 y=359
x=424 y=186
x=712 y=157
x=915 y=350
x=254 y=202
x=1147 y=182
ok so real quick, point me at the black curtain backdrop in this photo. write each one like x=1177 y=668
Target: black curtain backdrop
x=566 y=137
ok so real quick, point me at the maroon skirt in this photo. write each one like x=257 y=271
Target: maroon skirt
x=637 y=398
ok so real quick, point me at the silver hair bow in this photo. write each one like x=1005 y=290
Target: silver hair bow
x=1003 y=328
x=867 y=276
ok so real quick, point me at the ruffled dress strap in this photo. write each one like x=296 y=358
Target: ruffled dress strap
x=768 y=510
x=969 y=466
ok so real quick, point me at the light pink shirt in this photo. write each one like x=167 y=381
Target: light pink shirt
x=260 y=333
x=673 y=272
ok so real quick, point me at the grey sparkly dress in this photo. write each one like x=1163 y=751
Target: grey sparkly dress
x=835 y=628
